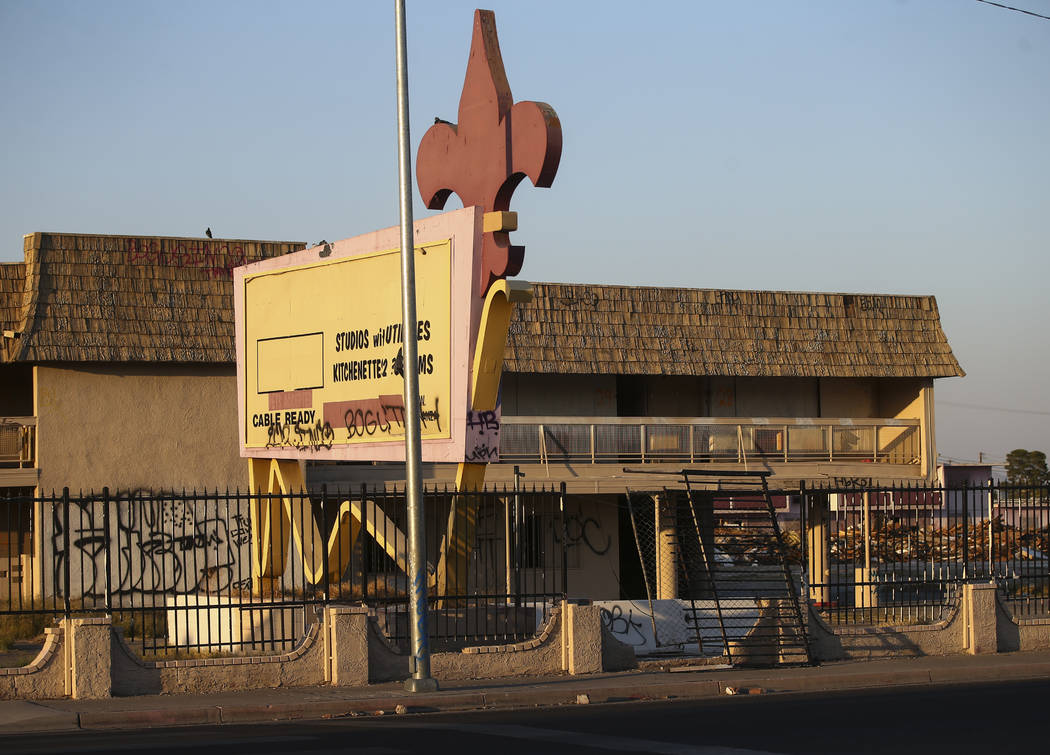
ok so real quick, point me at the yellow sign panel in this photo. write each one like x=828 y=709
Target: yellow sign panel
x=324 y=342
x=291 y=363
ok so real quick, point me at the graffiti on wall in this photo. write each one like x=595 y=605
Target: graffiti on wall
x=217 y=259
x=584 y=532
x=483 y=431
x=156 y=546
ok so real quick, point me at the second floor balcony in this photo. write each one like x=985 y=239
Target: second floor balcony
x=590 y=454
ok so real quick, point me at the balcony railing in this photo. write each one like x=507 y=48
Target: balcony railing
x=671 y=440
x=17 y=442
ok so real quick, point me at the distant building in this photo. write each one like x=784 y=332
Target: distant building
x=958 y=475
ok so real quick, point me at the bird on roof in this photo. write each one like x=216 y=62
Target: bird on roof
x=442 y=120
x=207 y=232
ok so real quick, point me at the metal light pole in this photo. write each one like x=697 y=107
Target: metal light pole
x=420 y=681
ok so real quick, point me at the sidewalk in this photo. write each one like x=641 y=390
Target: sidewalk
x=384 y=699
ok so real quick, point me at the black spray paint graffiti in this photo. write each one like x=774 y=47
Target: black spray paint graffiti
x=482 y=453
x=385 y=415
x=584 y=531
x=852 y=482
x=300 y=436
x=241 y=532
x=626 y=628
x=485 y=429
x=429 y=416
x=156 y=547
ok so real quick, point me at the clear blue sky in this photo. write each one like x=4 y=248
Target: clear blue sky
x=844 y=145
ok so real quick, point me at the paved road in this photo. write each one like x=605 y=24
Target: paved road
x=985 y=718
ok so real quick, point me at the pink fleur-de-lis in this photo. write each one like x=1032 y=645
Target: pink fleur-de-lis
x=496 y=143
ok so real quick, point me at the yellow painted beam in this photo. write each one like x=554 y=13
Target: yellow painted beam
x=492 y=341
x=278 y=521
x=488 y=368
x=387 y=535
x=494 y=222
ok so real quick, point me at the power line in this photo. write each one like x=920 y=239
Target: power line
x=1019 y=10
x=959 y=460
x=983 y=407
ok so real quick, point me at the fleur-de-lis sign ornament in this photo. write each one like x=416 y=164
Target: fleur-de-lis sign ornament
x=495 y=144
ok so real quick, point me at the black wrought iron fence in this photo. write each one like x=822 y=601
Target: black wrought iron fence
x=209 y=572
x=895 y=555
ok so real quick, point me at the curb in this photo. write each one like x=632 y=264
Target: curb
x=47 y=722
x=144 y=719
x=571 y=694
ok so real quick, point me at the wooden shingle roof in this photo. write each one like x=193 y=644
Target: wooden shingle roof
x=12 y=285
x=627 y=330
x=89 y=298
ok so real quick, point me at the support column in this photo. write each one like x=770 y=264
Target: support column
x=666 y=548
x=865 y=592
x=346 y=643
x=979 y=604
x=89 y=660
x=461 y=529
x=582 y=638
x=817 y=555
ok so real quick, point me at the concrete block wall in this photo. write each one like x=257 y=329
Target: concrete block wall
x=44 y=678
x=543 y=654
x=87 y=658
x=977 y=623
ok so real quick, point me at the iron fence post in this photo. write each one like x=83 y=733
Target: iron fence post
x=966 y=536
x=991 y=540
x=803 y=540
x=364 y=546
x=324 y=543
x=564 y=544
x=65 y=550
x=517 y=537
x=105 y=552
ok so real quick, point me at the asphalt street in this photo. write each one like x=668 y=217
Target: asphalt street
x=980 y=718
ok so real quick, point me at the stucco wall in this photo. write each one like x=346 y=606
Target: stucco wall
x=130 y=427
x=593 y=555
x=901 y=397
x=304 y=666
x=776 y=397
x=44 y=678
x=676 y=396
x=848 y=397
x=912 y=398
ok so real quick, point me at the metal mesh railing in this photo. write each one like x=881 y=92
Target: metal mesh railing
x=683 y=440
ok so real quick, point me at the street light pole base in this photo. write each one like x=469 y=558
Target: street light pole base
x=426 y=684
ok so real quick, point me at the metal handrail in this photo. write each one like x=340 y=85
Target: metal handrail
x=17 y=441
x=744 y=421
x=597 y=440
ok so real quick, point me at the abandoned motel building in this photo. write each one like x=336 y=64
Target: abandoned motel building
x=117 y=366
